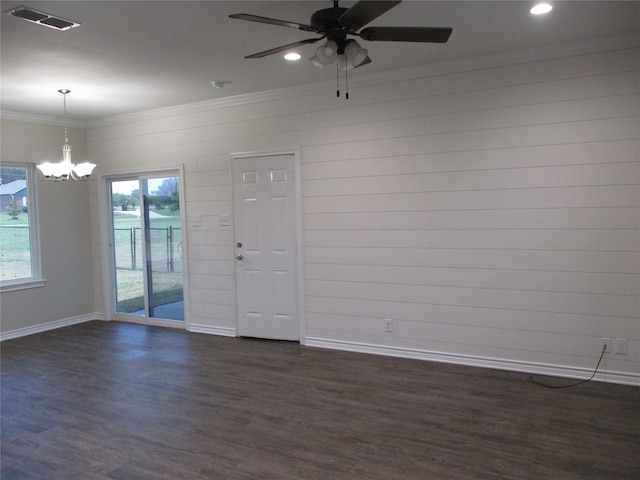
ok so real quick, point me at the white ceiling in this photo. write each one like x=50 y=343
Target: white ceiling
x=134 y=56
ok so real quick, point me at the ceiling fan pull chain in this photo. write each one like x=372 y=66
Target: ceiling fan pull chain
x=337 y=80
x=346 y=80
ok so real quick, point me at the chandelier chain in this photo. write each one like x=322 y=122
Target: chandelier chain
x=64 y=103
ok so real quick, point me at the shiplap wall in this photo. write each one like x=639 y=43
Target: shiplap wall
x=492 y=214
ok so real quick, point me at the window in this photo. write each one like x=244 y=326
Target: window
x=19 y=254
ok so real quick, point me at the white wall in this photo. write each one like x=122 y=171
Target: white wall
x=65 y=237
x=493 y=214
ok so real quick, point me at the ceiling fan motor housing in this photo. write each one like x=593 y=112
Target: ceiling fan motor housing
x=327 y=18
x=326 y=21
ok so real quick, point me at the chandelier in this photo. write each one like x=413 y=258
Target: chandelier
x=65 y=170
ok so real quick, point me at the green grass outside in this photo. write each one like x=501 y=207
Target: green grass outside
x=167 y=286
x=15 y=258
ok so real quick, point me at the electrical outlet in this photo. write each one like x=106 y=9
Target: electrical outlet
x=605 y=342
x=388 y=325
x=620 y=346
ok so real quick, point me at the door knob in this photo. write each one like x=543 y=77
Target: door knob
x=239 y=257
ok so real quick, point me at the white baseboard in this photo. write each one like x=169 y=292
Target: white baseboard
x=222 y=331
x=623 y=378
x=22 y=332
x=43 y=327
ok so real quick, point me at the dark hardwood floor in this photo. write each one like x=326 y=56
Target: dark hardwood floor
x=117 y=401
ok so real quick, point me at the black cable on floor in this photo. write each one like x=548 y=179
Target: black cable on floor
x=537 y=382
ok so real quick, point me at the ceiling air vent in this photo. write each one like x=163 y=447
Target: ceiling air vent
x=42 y=18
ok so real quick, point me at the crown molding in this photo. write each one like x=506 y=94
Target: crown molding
x=233 y=101
x=497 y=60
x=491 y=61
x=33 y=118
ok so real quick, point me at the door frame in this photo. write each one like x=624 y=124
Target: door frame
x=299 y=231
x=106 y=247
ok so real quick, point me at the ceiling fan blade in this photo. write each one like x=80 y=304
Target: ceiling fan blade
x=283 y=48
x=273 y=21
x=407 y=34
x=364 y=12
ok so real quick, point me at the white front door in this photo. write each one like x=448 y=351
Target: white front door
x=265 y=230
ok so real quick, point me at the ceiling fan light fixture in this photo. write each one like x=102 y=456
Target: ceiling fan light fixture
x=329 y=49
x=326 y=54
x=355 y=53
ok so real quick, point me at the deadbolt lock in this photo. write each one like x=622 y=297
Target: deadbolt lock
x=239 y=244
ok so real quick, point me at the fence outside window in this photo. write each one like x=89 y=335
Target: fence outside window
x=165 y=244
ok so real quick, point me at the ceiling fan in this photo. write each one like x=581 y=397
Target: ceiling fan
x=337 y=23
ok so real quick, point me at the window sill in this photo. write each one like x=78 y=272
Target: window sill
x=22 y=285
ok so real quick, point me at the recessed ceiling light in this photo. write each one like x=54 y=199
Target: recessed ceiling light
x=292 y=56
x=541 y=9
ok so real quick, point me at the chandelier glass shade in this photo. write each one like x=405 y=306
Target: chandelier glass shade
x=66 y=169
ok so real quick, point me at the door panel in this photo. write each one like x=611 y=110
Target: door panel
x=146 y=238
x=266 y=249
x=280 y=225
x=164 y=259
x=127 y=247
x=250 y=225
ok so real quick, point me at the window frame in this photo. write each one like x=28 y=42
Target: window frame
x=35 y=279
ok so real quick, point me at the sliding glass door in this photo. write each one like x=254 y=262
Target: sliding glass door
x=147 y=246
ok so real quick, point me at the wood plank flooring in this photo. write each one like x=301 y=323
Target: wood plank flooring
x=108 y=400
